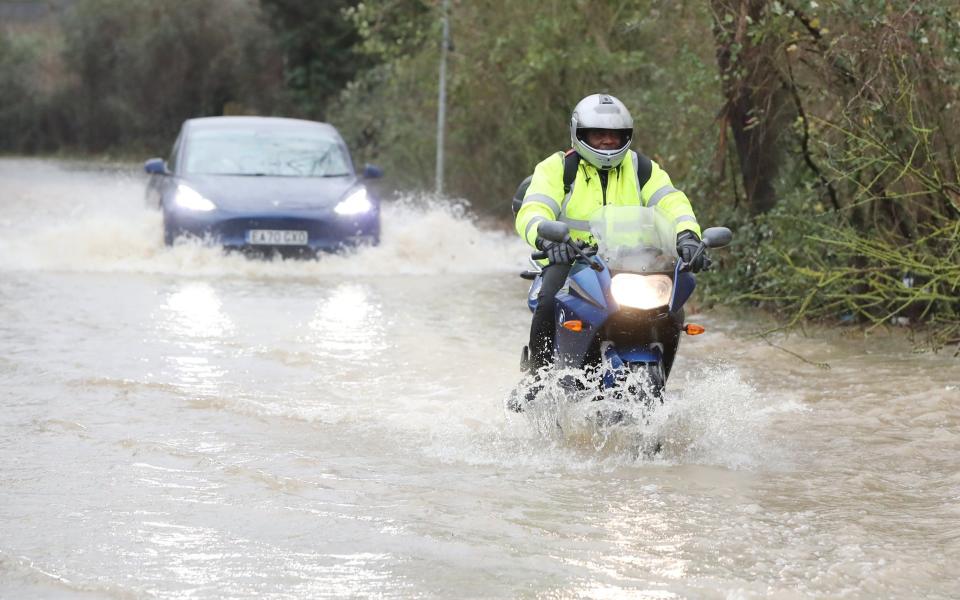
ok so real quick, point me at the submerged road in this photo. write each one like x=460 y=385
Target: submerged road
x=176 y=423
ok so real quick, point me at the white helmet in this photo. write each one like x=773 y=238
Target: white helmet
x=601 y=111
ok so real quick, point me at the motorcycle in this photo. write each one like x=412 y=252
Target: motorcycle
x=619 y=316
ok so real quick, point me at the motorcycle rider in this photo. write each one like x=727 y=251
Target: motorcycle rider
x=608 y=172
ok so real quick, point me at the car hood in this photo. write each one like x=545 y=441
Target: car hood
x=253 y=193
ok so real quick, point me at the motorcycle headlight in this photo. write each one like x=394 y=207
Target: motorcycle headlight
x=190 y=199
x=354 y=204
x=641 y=291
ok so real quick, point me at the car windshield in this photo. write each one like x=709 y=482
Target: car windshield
x=634 y=238
x=277 y=152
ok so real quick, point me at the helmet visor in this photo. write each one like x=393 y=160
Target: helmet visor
x=604 y=140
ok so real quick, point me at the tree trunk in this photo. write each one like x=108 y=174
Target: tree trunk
x=757 y=104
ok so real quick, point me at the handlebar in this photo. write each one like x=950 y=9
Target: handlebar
x=541 y=255
x=706 y=259
x=587 y=252
x=581 y=249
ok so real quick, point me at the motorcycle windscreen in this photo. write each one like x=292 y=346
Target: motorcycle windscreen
x=637 y=239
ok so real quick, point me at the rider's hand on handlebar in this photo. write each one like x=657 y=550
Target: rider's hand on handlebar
x=688 y=247
x=707 y=262
x=558 y=253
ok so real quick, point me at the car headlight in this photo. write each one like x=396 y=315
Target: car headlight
x=641 y=291
x=190 y=199
x=354 y=204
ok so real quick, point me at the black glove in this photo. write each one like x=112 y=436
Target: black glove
x=557 y=253
x=687 y=245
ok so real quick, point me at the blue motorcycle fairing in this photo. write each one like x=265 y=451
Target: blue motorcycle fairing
x=641 y=354
x=587 y=297
x=534 y=292
x=683 y=285
x=583 y=299
x=616 y=359
x=571 y=346
x=583 y=282
x=591 y=285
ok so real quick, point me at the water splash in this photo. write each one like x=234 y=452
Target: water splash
x=102 y=226
x=717 y=418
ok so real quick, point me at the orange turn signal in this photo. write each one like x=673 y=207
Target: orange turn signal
x=573 y=325
x=692 y=329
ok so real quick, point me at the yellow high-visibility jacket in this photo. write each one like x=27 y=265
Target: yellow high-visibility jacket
x=545 y=199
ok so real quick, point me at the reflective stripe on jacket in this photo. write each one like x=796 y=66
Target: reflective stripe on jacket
x=545 y=199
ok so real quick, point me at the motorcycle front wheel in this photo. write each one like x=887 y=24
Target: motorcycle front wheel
x=650 y=392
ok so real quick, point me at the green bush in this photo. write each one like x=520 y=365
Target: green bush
x=28 y=72
x=142 y=67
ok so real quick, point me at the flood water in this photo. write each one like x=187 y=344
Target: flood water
x=176 y=423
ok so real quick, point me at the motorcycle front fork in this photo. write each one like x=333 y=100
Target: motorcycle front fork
x=620 y=376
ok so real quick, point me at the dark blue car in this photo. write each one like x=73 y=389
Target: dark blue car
x=264 y=183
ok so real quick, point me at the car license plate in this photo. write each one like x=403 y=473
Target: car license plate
x=276 y=237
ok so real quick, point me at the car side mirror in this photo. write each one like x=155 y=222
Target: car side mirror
x=553 y=231
x=156 y=166
x=372 y=171
x=717 y=237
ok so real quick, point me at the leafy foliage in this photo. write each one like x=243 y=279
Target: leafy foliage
x=26 y=80
x=320 y=48
x=866 y=226
x=135 y=69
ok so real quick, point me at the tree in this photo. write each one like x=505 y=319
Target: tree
x=139 y=68
x=756 y=106
x=320 y=49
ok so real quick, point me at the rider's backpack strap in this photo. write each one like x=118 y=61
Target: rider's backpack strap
x=644 y=168
x=571 y=160
x=519 y=194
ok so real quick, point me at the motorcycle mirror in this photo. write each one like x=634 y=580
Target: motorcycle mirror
x=553 y=231
x=372 y=171
x=155 y=166
x=717 y=237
